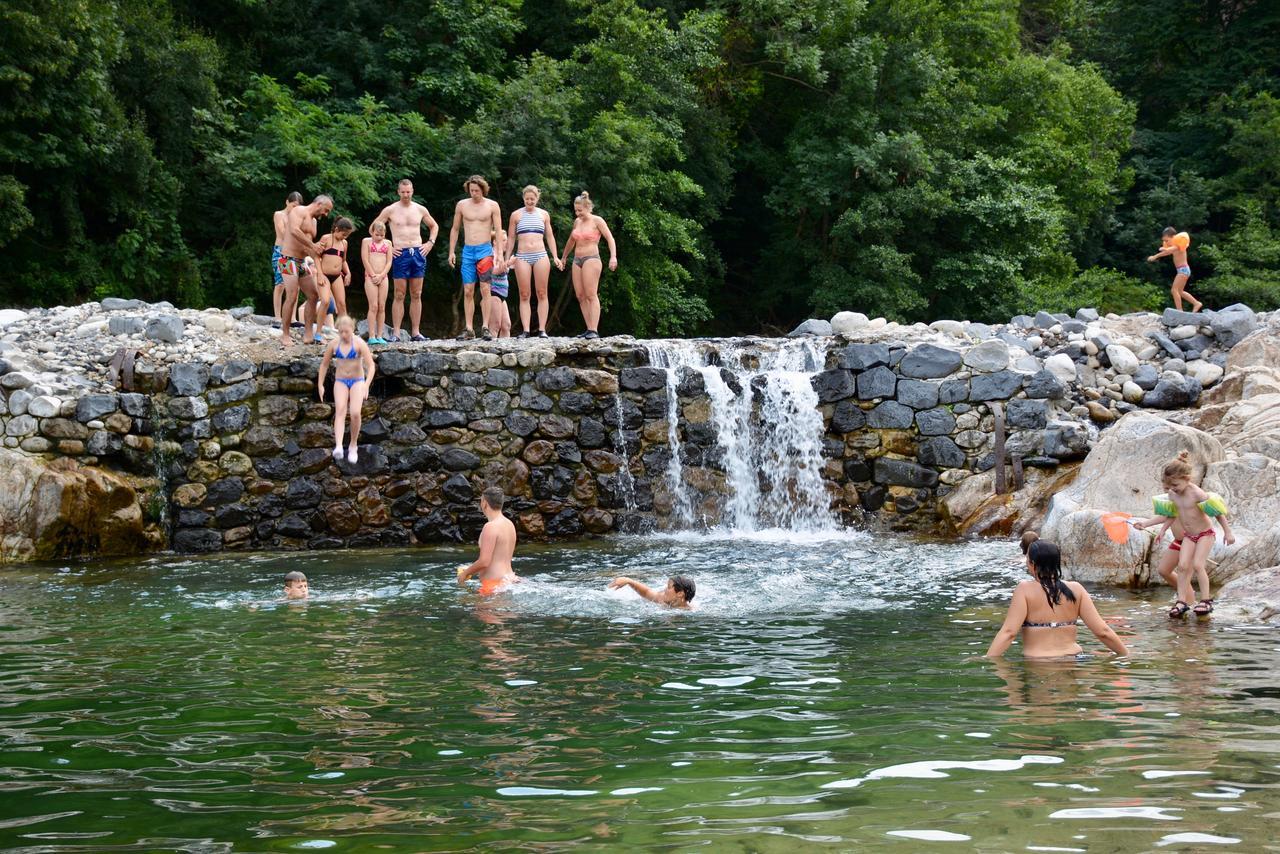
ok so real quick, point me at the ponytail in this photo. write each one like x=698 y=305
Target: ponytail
x=1046 y=561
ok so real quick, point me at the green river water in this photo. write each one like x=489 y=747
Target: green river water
x=828 y=694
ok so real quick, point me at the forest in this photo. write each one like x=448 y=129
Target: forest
x=759 y=161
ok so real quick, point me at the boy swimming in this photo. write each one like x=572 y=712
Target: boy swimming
x=497 y=545
x=295 y=585
x=678 y=593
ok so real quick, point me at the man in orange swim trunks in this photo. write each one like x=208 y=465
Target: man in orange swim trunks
x=497 y=545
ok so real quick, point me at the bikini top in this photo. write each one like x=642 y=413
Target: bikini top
x=1212 y=506
x=383 y=248
x=530 y=222
x=586 y=234
x=333 y=250
x=1055 y=624
x=350 y=354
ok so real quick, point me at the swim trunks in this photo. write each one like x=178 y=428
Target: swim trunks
x=490 y=586
x=276 y=278
x=470 y=255
x=498 y=286
x=409 y=264
x=1184 y=271
x=290 y=266
x=1195 y=538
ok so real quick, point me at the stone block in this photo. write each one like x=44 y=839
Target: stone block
x=847 y=417
x=918 y=394
x=833 y=385
x=902 y=473
x=165 y=327
x=95 y=406
x=935 y=422
x=998 y=386
x=891 y=415
x=862 y=357
x=1046 y=385
x=941 y=452
x=643 y=379
x=929 y=361
x=1028 y=413
x=877 y=382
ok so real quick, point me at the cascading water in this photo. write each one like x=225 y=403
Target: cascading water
x=768 y=432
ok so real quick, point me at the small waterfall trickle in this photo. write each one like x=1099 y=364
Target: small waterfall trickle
x=626 y=483
x=768 y=432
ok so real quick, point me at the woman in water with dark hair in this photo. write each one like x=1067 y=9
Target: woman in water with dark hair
x=1046 y=609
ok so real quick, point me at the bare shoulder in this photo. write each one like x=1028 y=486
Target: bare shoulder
x=1077 y=588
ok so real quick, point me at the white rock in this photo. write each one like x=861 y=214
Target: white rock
x=1148 y=352
x=1207 y=372
x=92 y=327
x=989 y=356
x=1035 y=341
x=44 y=406
x=1090 y=349
x=1178 y=333
x=19 y=399
x=877 y=323
x=10 y=316
x=1122 y=359
x=1132 y=392
x=1061 y=366
x=848 y=322
x=948 y=327
x=534 y=358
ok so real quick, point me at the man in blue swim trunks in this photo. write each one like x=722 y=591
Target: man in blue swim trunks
x=481 y=220
x=280 y=219
x=408 y=258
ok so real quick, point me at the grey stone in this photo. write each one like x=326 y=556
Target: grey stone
x=17 y=379
x=1178 y=366
x=1021 y=321
x=997 y=386
x=1173 y=317
x=495 y=404
x=1232 y=324
x=393 y=363
x=103 y=443
x=988 y=357
x=531 y=398
x=423 y=457
x=904 y=473
x=135 y=405
x=521 y=423
x=1198 y=342
x=188 y=378
x=877 y=382
x=935 y=422
x=165 y=327
x=501 y=378
x=233 y=419
x=95 y=406
x=188 y=408
x=573 y=402
x=1044 y=384
x=21 y=425
x=197 y=540
x=591 y=434
x=560 y=379
x=1066 y=440
x=226 y=491
x=436 y=418
x=1102 y=341
x=433 y=363
x=941 y=452
x=457 y=490
x=929 y=361
x=235 y=370
x=848 y=417
x=891 y=415
x=1146 y=377
x=1073 y=327
x=233 y=393
x=42 y=406
x=953 y=391
x=19 y=399
x=119 y=304
x=642 y=379
x=833 y=385
x=1088 y=315
x=240 y=312
x=125 y=325
x=811 y=327
x=1173 y=391
x=303 y=492
x=861 y=357
x=458 y=459
x=294 y=527
x=1166 y=343
x=1026 y=413
x=1045 y=320
x=918 y=394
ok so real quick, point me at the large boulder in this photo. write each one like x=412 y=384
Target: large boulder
x=1121 y=473
x=849 y=323
x=1249 y=483
x=56 y=509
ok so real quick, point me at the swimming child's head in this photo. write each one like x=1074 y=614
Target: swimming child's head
x=342 y=228
x=295 y=585
x=1027 y=539
x=1177 y=473
x=293 y=199
x=493 y=498
x=683 y=585
x=377 y=229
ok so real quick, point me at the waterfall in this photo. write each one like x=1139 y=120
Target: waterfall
x=626 y=483
x=768 y=431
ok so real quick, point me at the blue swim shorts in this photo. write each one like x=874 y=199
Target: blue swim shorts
x=277 y=278
x=409 y=264
x=1184 y=271
x=470 y=255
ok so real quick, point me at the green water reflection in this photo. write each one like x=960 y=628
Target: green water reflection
x=827 y=694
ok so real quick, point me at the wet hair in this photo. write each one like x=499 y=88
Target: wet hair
x=1027 y=539
x=684 y=585
x=479 y=181
x=322 y=199
x=584 y=198
x=1176 y=468
x=344 y=318
x=1046 y=561
x=294 y=197
x=1169 y=232
x=294 y=576
x=494 y=497
x=531 y=189
x=404 y=182
x=343 y=224
x=376 y=226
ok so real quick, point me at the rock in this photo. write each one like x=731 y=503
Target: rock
x=847 y=417
x=458 y=459
x=1066 y=440
x=42 y=406
x=1021 y=321
x=1044 y=384
x=188 y=378
x=862 y=357
x=953 y=391
x=997 y=386
x=1173 y=391
x=1045 y=320
x=1260 y=348
x=1146 y=377
x=1132 y=392
x=123 y=325
x=1179 y=333
x=949 y=327
x=10 y=316
x=940 y=452
x=929 y=361
x=643 y=379
x=475 y=361
x=891 y=415
x=811 y=327
x=848 y=323
x=1027 y=414
x=835 y=384
x=95 y=406
x=1206 y=373
x=188 y=408
x=1233 y=324
x=165 y=327
x=1123 y=361
x=19 y=400
x=60 y=509
x=988 y=357
x=1062 y=367
x=918 y=394
x=217 y=323
x=1174 y=317
x=1166 y=344
x=1088 y=315
x=1100 y=412
x=903 y=473
x=1175 y=366
x=935 y=422
x=879 y=382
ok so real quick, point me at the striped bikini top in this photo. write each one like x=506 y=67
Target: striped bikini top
x=530 y=222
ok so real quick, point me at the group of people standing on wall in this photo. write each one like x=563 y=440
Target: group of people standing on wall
x=315 y=268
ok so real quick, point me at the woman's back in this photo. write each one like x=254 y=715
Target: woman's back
x=1048 y=629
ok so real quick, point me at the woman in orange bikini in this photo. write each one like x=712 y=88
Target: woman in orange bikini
x=584 y=241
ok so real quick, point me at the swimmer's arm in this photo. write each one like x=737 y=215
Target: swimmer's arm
x=488 y=541
x=304 y=238
x=1142 y=524
x=1012 y=625
x=433 y=227
x=1097 y=625
x=1228 y=538
x=643 y=589
x=370 y=366
x=324 y=366
x=1168 y=250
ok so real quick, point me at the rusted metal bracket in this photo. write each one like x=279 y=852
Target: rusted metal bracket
x=120 y=369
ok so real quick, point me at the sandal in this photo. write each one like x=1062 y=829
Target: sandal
x=1179 y=610
x=1203 y=608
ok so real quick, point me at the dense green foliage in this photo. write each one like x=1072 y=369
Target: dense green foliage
x=759 y=160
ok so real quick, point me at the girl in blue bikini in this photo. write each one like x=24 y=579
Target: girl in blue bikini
x=351 y=377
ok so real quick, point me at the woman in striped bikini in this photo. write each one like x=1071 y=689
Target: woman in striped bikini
x=529 y=237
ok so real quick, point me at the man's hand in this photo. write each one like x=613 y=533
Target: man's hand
x=395 y=251
x=453 y=260
x=320 y=387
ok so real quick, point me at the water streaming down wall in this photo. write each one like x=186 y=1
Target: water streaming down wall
x=768 y=433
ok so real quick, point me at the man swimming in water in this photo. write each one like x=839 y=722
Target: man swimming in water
x=497 y=545
x=678 y=593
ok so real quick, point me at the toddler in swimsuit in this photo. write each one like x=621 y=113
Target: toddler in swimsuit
x=1194 y=509
x=499 y=319
x=351 y=377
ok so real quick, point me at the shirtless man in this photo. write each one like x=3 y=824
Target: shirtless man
x=280 y=219
x=298 y=247
x=497 y=545
x=481 y=220
x=677 y=594
x=408 y=257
